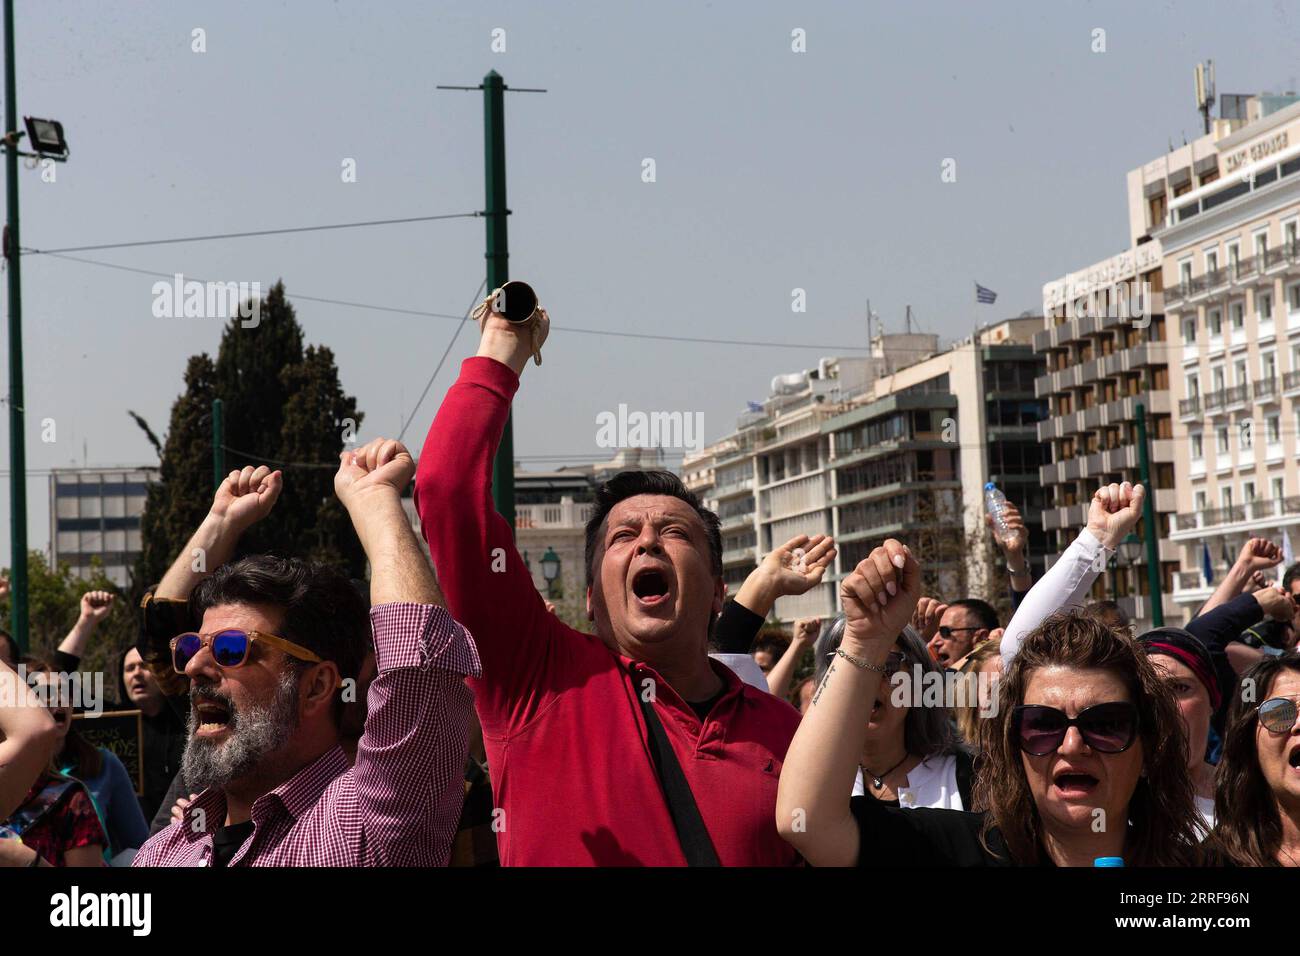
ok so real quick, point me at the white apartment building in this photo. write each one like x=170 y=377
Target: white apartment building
x=1232 y=280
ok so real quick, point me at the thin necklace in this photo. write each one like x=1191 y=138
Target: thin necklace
x=878 y=779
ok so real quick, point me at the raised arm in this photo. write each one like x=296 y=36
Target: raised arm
x=28 y=736
x=802 y=638
x=411 y=756
x=95 y=606
x=812 y=803
x=1014 y=548
x=794 y=568
x=1114 y=511
x=244 y=498
x=1257 y=554
x=486 y=584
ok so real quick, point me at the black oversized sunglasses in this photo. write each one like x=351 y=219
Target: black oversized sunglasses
x=1108 y=728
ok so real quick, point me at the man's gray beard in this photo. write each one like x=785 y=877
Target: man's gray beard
x=258 y=731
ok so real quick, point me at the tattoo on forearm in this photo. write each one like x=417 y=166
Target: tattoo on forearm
x=822 y=686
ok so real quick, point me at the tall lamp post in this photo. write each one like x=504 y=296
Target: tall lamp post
x=46 y=138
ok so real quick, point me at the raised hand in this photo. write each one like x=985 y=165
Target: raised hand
x=1276 y=603
x=1014 y=543
x=247 y=496
x=95 y=606
x=806 y=630
x=1114 y=511
x=507 y=342
x=1259 y=554
x=880 y=596
x=382 y=466
x=798 y=565
x=926 y=617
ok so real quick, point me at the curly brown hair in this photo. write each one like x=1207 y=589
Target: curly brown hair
x=1164 y=827
x=1248 y=828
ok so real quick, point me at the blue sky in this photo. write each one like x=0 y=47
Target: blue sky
x=774 y=171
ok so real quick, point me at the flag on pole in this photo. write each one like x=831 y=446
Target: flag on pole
x=984 y=296
x=1207 y=568
x=754 y=406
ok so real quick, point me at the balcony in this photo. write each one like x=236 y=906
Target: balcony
x=733 y=522
x=1235 y=398
x=1214 y=402
x=1243 y=269
x=1260 y=514
x=1189 y=409
x=1266 y=390
x=1291 y=383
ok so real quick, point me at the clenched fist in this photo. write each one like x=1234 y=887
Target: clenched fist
x=880 y=595
x=379 y=467
x=247 y=496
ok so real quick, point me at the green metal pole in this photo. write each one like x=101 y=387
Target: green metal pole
x=17 y=439
x=498 y=260
x=218 y=445
x=1149 y=521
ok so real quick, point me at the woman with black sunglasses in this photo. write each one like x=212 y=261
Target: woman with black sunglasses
x=1083 y=760
x=1257 y=793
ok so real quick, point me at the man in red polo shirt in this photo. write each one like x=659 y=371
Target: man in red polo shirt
x=567 y=740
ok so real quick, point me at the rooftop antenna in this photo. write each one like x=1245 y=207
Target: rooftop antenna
x=907 y=319
x=1204 y=78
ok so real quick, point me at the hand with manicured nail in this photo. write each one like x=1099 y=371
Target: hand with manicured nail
x=880 y=595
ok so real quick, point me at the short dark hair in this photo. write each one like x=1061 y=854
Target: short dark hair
x=1292 y=573
x=322 y=610
x=982 y=610
x=773 y=645
x=629 y=484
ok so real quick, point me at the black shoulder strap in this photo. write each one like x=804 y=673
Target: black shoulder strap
x=965 y=772
x=691 y=834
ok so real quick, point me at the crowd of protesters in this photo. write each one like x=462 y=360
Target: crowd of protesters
x=443 y=713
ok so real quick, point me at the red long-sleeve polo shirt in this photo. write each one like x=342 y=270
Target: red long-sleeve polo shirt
x=565 y=736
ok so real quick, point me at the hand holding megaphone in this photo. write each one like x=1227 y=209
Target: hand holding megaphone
x=513 y=308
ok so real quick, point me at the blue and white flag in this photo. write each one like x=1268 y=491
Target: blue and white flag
x=754 y=406
x=985 y=296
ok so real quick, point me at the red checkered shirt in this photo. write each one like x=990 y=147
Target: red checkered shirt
x=399 y=804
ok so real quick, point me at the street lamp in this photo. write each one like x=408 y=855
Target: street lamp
x=47 y=139
x=551 y=571
x=1126 y=555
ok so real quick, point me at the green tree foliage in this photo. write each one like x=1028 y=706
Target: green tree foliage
x=54 y=602
x=282 y=406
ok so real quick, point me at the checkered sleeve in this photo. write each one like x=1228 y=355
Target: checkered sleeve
x=411 y=757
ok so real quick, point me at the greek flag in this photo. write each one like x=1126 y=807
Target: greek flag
x=985 y=296
x=754 y=406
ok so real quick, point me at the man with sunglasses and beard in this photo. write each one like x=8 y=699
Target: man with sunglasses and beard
x=279 y=643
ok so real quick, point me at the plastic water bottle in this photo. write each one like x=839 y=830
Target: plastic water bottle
x=995 y=503
x=1108 y=861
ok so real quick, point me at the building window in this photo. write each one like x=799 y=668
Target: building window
x=1198 y=446
x=1220 y=382
x=1261 y=247
x=1189 y=331
x=1215 y=322
x=1225 y=496
x=1293 y=298
x=1221 y=439
x=1193 y=386
x=1268 y=366
x=1201 y=501
x=1239 y=373
x=1237 y=310
x=1248 y=492
x=1278 y=486
x=1211 y=261
x=1185 y=273
x=1273 y=424
x=1264 y=307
